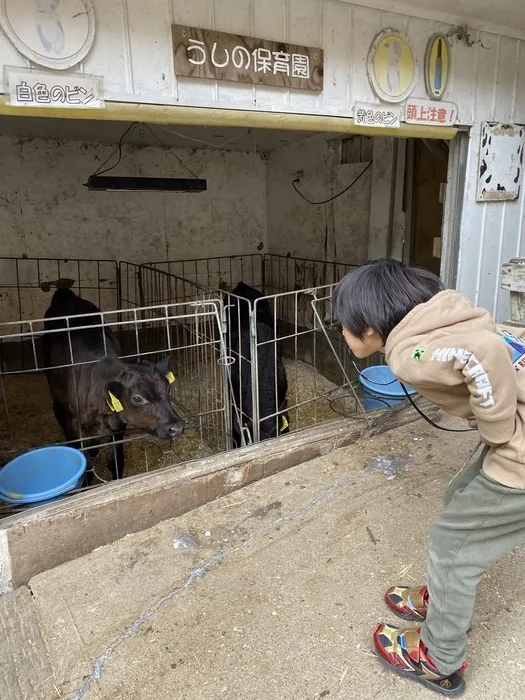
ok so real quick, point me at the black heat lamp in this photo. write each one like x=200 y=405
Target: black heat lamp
x=115 y=183
x=100 y=182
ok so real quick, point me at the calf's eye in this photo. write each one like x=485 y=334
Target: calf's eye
x=137 y=400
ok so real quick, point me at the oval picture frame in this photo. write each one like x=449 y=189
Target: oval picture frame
x=437 y=66
x=48 y=34
x=392 y=66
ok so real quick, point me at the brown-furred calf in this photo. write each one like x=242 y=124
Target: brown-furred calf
x=95 y=394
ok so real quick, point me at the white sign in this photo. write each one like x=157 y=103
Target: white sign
x=500 y=162
x=52 y=33
x=28 y=88
x=431 y=113
x=377 y=115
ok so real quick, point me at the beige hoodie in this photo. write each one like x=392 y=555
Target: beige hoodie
x=455 y=356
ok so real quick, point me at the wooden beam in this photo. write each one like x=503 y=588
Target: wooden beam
x=47 y=536
x=223 y=117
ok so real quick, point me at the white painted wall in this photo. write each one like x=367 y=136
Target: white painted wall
x=133 y=52
x=47 y=212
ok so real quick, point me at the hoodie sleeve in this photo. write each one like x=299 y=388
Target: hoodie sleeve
x=491 y=380
x=481 y=361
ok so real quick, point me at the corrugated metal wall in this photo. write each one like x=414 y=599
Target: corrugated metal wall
x=133 y=51
x=493 y=232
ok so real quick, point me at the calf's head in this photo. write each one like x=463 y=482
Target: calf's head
x=140 y=396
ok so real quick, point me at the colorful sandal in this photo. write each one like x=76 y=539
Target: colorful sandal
x=402 y=651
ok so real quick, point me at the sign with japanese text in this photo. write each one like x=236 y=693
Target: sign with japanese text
x=386 y=116
x=203 y=53
x=28 y=88
x=430 y=112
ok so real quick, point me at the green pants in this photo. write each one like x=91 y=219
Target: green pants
x=482 y=522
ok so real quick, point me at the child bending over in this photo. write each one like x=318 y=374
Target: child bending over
x=455 y=356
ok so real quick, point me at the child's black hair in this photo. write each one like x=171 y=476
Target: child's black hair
x=380 y=294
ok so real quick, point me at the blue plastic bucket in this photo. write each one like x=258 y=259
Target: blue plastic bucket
x=42 y=475
x=25 y=506
x=381 y=389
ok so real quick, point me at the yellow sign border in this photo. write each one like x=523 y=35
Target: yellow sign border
x=384 y=96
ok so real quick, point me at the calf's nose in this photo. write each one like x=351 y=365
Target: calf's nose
x=175 y=429
x=170 y=431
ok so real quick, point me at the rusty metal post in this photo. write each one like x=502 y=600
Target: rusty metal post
x=513 y=279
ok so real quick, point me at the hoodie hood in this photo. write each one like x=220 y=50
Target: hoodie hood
x=447 y=313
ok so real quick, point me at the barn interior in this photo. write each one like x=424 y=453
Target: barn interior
x=283 y=211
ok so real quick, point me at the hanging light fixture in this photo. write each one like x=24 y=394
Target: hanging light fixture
x=116 y=183
x=100 y=182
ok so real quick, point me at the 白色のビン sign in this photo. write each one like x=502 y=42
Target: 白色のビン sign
x=29 y=88
x=430 y=112
x=203 y=53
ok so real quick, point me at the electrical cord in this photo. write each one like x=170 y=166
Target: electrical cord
x=163 y=143
x=118 y=151
x=423 y=415
x=206 y=143
x=430 y=421
x=335 y=196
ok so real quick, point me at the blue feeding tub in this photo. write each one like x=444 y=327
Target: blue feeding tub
x=381 y=389
x=42 y=475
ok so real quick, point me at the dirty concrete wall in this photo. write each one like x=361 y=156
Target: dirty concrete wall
x=336 y=231
x=339 y=230
x=46 y=212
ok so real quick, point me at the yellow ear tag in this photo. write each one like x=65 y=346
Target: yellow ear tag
x=114 y=403
x=284 y=424
x=170 y=377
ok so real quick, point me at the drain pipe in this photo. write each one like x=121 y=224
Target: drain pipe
x=513 y=279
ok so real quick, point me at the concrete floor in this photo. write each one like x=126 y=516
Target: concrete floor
x=272 y=593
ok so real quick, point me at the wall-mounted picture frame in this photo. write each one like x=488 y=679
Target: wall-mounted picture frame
x=56 y=34
x=392 y=66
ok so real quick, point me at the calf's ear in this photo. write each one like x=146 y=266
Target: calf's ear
x=115 y=388
x=163 y=365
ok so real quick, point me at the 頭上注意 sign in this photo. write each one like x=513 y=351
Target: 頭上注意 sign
x=203 y=53
x=430 y=112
